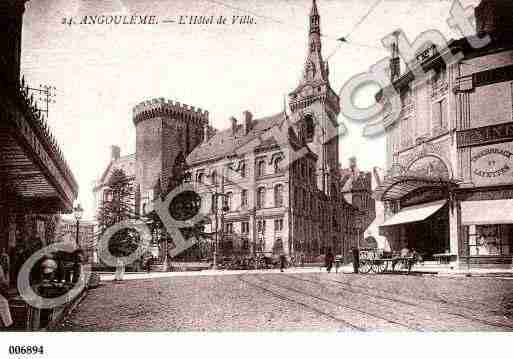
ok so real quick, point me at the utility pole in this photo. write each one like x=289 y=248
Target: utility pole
x=46 y=95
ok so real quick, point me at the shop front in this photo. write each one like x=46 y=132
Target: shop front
x=420 y=214
x=487 y=233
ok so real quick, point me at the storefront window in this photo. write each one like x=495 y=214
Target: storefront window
x=490 y=240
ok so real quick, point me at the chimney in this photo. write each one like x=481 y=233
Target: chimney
x=233 y=121
x=247 y=117
x=115 y=153
x=205 y=133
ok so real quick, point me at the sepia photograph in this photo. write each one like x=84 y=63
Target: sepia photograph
x=254 y=167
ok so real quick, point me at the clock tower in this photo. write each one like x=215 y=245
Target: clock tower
x=315 y=107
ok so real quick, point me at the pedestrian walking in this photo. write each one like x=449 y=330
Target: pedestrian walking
x=356 y=259
x=120 y=270
x=5 y=312
x=329 y=260
x=148 y=265
x=283 y=260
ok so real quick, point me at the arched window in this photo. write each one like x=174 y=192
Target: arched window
x=261 y=168
x=278 y=195
x=244 y=198
x=214 y=177
x=200 y=178
x=309 y=128
x=277 y=164
x=261 y=197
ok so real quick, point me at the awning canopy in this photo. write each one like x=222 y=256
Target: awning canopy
x=414 y=213
x=487 y=212
x=395 y=188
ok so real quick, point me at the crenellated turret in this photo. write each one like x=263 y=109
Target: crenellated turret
x=160 y=107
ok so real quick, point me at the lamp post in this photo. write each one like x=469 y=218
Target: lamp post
x=78 y=212
x=216 y=209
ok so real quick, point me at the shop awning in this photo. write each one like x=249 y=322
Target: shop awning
x=487 y=212
x=395 y=188
x=414 y=213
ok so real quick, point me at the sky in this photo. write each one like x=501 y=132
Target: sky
x=102 y=71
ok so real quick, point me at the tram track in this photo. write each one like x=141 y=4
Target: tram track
x=350 y=289
x=313 y=297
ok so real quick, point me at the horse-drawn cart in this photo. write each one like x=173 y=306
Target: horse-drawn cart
x=377 y=261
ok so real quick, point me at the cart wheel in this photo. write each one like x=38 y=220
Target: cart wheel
x=379 y=266
x=365 y=266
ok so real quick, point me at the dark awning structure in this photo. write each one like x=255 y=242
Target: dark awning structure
x=416 y=213
x=395 y=188
x=32 y=167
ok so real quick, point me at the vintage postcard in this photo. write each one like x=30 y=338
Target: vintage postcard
x=257 y=166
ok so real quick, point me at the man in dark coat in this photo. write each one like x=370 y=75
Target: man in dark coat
x=283 y=261
x=356 y=259
x=329 y=260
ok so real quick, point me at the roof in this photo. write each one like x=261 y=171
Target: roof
x=224 y=143
x=125 y=163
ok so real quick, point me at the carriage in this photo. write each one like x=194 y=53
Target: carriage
x=378 y=261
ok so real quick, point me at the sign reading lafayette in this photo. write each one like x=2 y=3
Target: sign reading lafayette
x=491 y=163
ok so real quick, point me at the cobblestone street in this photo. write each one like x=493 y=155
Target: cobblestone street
x=298 y=301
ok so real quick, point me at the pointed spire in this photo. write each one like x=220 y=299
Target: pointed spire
x=314 y=11
x=314 y=19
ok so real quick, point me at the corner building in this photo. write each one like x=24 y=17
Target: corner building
x=449 y=188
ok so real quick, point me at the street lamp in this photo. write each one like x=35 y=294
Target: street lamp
x=78 y=211
x=224 y=209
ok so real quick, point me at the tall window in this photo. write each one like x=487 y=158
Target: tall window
x=243 y=169
x=261 y=197
x=278 y=195
x=277 y=165
x=440 y=114
x=244 y=227
x=278 y=225
x=229 y=228
x=261 y=168
x=244 y=198
x=309 y=128
x=201 y=177
x=214 y=177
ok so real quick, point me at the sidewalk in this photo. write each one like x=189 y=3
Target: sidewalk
x=441 y=271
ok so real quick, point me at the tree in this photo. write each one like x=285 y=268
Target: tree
x=118 y=205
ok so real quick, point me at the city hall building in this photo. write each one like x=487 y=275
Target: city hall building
x=449 y=189
x=276 y=177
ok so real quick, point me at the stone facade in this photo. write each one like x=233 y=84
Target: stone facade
x=453 y=142
x=279 y=174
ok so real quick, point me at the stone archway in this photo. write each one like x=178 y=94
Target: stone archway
x=429 y=166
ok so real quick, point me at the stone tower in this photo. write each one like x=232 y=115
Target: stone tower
x=494 y=17
x=11 y=19
x=166 y=132
x=315 y=107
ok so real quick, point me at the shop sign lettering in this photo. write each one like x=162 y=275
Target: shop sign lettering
x=491 y=162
